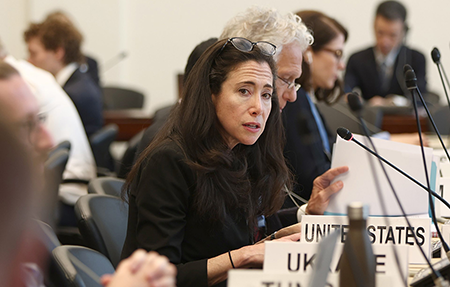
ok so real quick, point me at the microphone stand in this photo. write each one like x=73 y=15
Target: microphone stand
x=436 y=56
x=401 y=172
x=356 y=106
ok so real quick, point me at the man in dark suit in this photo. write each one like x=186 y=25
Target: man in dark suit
x=378 y=70
x=305 y=145
x=55 y=45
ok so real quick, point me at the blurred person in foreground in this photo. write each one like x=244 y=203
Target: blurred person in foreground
x=64 y=124
x=24 y=147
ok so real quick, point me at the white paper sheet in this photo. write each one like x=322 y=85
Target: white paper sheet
x=359 y=181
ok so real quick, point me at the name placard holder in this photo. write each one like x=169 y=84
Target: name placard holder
x=258 y=278
x=314 y=228
x=299 y=258
x=444 y=191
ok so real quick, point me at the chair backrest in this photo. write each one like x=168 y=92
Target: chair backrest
x=441 y=118
x=100 y=143
x=62 y=145
x=127 y=161
x=106 y=186
x=102 y=220
x=46 y=239
x=54 y=169
x=339 y=115
x=116 y=98
x=79 y=266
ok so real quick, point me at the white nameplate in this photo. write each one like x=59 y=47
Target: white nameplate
x=314 y=228
x=258 y=278
x=299 y=258
x=445 y=231
x=444 y=192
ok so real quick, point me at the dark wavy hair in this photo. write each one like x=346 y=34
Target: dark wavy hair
x=324 y=29
x=249 y=178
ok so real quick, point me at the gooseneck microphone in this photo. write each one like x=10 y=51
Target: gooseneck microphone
x=436 y=56
x=112 y=62
x=355 y=104
x=347 y=135
x=411 y=83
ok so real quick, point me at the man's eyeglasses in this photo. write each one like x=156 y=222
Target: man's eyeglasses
x=291 y=84
x=245 y=45
x=32 y=125
x=337 y=53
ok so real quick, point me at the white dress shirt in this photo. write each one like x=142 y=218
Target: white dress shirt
x=63 y=123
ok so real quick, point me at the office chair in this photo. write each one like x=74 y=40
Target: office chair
x=106 y=186
x=78 y=266
x=62 y=145
x=102 y=220
x=54 y=169
x=441 y=118
x=339 y=115
x=100 y=143
x=125 y=165
x=116 y=98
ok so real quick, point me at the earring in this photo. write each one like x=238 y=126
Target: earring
x=308 y=57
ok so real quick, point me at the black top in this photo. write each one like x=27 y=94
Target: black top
x=87 y=97
x=161 y=218
x=362 y=72
x=159 y=120
x=304 y=148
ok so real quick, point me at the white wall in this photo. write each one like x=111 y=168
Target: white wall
x=159 y=35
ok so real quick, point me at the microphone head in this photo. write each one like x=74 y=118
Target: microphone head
x=354 y=102
x=435 y=55
x=344 y=133
x=406 y=68
x=410 y=77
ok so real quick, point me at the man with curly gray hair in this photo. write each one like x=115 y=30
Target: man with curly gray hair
x=287 y=32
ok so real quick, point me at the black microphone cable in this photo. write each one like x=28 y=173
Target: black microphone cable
x=355 y=105
x=436 y=56
x=410 y=79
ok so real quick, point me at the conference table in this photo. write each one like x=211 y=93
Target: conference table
x=403 y=124
x=130 y=121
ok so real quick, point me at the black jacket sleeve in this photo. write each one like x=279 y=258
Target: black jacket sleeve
x=162 y=198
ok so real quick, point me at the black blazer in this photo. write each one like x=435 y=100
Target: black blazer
x=87 y=97
x=161 y=218
x=362 y=72
x=159 y=120
x=304 y=148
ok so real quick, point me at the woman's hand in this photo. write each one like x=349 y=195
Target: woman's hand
x=251 y=256
x=322 y=190
x=142 y=269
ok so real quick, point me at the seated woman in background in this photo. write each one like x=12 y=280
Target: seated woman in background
x=308 y=140
x=196 y=192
